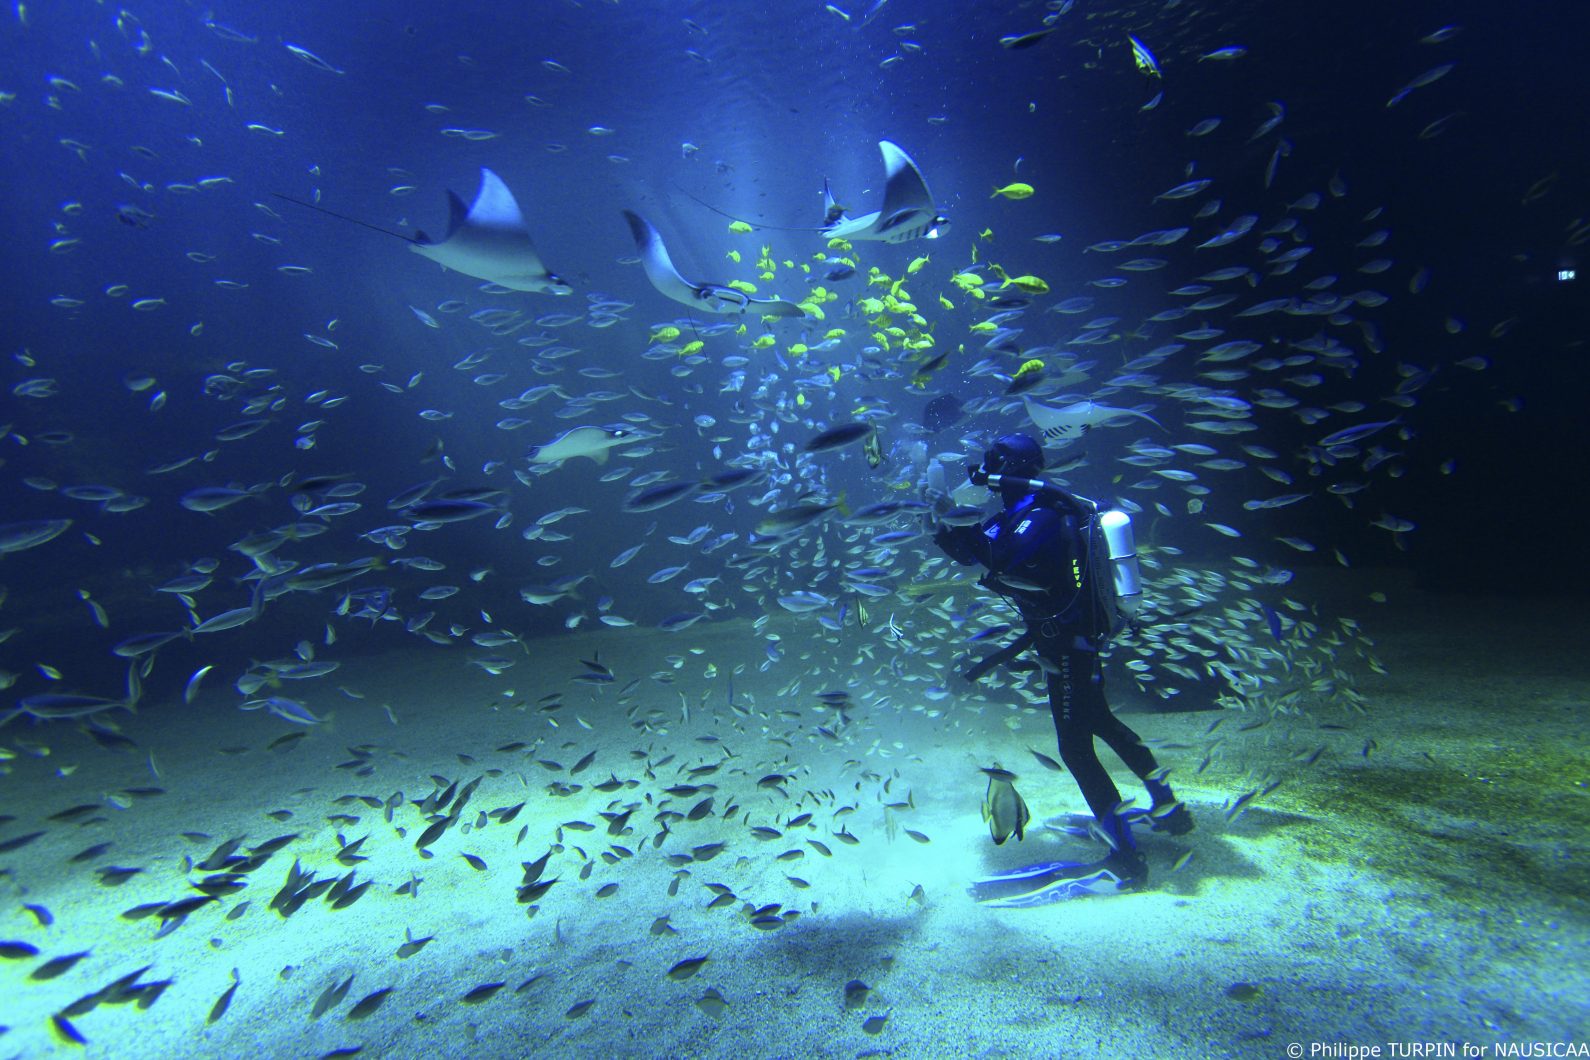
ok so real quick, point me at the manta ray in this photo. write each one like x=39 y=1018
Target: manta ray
x=488 y=240
x=1065 y=425
x=707 y=297
x=590 y=442
x=908 y=212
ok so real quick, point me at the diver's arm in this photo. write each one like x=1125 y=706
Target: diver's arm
x=960 y=543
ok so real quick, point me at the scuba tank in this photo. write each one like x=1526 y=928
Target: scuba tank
x=1125 y=577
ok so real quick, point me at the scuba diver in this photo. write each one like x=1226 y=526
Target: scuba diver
x=1071 y=571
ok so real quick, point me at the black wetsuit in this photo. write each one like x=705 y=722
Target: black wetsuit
x=1037 y=556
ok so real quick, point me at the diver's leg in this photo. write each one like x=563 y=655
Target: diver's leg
x=1083 y=714
x=1167 y=813
x=1073 y=704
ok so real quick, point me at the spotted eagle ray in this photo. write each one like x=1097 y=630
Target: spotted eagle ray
x=908 y=212
x=707 y=297
x=488 y=240
x=1065 y=425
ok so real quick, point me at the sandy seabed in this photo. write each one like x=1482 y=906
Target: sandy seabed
x=1421 y=880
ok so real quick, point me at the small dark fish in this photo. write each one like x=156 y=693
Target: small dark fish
x=686 y=968
x=874 y=1024
x=583 y=763
x=368 y=1004
x=287 y=742
x=73 y=813
x=579 y=1008
x=533 y=892
x=331 y=997
x=56 y=966
x=505 y=814
x=183 y=906
x=856 y=993
x=1018 y=41
x=17 y=951
x=218 y=1009
x=838 y=437
x=659 y=496
x=19 y=842
x=433 y=833
x=139 y=912
x=712 y=1003
x=533 y=869
x=351 y=895
x=482 y=993
x=65 y=1030
x=413 y=945
x=1047 y=762
x=40 y=913
x=271 y=846
x=475 y=862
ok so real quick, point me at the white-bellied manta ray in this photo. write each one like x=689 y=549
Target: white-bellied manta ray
x=908 y=211
x=590 y=442
x=707 y=297
x=1065 y=425
x=488 y=240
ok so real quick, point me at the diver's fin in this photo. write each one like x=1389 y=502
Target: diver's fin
x=1100 y=882
x=1082 y=825
x=1054 y=881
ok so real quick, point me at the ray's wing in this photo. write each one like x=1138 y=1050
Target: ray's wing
x=904 y=191
x=490 y=241
x=707 y=297
x=655 y=261
x=494 y=206
x=1057 y=426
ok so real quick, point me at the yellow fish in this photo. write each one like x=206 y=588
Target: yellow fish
x=1013 y=191
x=1028 y=368
x=740 y=227
x=1143 y=58
x=916 y=265
x=667 y=334
x=734 y=256
x=1029 y=284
